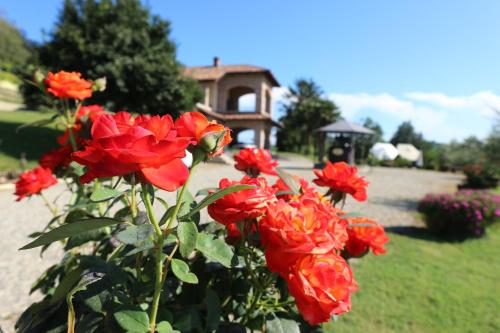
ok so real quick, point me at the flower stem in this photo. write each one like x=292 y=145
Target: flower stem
x=179 y=200
x=52 y=208
x=158 y=258
x=160 y=276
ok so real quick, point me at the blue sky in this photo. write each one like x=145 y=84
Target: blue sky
x=433 y=62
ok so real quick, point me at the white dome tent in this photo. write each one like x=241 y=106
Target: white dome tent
x=384 y=151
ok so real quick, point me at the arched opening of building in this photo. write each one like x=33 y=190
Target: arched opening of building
x=241 y=99
x=242 y=137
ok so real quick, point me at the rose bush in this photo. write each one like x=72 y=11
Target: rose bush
x=273 y=260
x=465 y=214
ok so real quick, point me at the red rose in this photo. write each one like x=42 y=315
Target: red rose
x=322 y=286
x=33 y=182
x=146 y=146
x=282 y=188
x=242 y=205
x=365 y=234
x=291 y=230
x=340 y=177
x=208 y=135
x=92 y=112
x=56 y=158
x=253 y=161
x=68 y=85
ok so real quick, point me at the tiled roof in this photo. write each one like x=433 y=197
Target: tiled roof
x=214 y=73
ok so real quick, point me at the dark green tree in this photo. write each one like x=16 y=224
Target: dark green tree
x=406 y=133
x=14 y=49
x=364 y=143
x=306 y=109
x=492 y=145
x=123 y=41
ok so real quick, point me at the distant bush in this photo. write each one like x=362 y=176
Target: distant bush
x=461 y=215
x=479 y=176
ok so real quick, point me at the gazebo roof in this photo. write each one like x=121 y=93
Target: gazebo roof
x=343 y=126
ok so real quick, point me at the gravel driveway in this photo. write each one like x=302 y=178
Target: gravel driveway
x=392 y=193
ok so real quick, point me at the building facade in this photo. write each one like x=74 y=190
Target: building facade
x=224 y=85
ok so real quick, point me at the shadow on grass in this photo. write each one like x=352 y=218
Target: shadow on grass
x=414 y=232
x=30 y=141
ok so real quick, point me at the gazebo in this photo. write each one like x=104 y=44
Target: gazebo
x=343 y=148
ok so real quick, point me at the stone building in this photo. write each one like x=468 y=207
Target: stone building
x=224 y=85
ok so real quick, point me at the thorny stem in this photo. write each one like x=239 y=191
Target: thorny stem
x=158 y=258
x=52 y=208
x=160 y=275
x=133 y=202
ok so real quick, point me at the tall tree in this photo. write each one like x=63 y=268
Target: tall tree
x=305 y=110
x=14 y=50
x=123 y=41
x=406 y=133
x=364 y=143
x=492 y=146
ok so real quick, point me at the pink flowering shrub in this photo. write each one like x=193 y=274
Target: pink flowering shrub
x=461 y=215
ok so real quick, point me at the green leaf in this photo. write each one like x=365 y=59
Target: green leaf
x=206 y=191
x=215 y=249
x=38 y=123
x=165 y=327
x=135 y=234
x=86 y=280
x=181 y=270
x=288 y=179
x=188 y=204
x=78 y=169
x=279 y=325
x=72 y=229
x=66 y=284
x=148 y=244
x=187 y=233
x=213 y=310
x=104 y=194
x=216 y=196
x=132 y=320
x=167 y=215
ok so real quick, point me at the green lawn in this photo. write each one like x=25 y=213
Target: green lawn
x=30 y=142
x=422 y=285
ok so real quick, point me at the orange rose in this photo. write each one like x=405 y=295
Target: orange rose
x=365 y=234
x=208 y=135
x=243 y=205
x=253 y=161
x=322 y=286
x=68 y=85
x=291 y=230
x=342 y=178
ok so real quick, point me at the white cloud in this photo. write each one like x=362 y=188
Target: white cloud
x=482 y=103
x=439 y=116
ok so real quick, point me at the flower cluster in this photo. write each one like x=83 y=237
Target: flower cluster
x=464 y=214
x=303 y=236
x=278 y=232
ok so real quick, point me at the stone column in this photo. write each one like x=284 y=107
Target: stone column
x=267 y=138
x=259 y=137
